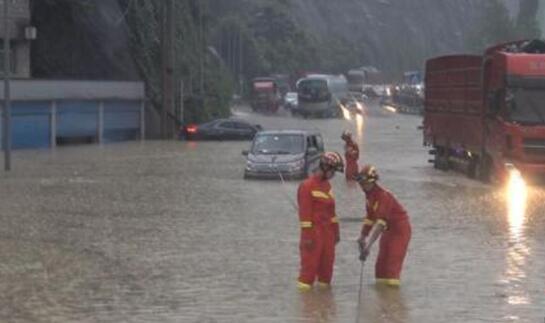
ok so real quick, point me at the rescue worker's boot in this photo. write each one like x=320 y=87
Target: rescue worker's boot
x=302 y=287
x=323 y=286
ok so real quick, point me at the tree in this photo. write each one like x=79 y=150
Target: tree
x=495 y=27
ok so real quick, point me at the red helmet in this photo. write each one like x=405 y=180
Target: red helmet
x=367 y=174
x=346 y=136
x=331 y=160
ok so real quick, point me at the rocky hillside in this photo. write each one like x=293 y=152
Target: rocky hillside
x=240 y=39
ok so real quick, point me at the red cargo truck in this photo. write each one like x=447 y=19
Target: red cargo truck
x=265 y=95
x=486 y=114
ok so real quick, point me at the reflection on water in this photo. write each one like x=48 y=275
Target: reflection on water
x=317 y=306
x=390 y=108
x=359 y=125
x=383 y=304
x=346 y=113
x=518 y=252
x=517 y=194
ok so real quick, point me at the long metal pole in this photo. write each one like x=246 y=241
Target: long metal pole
x=172 y=65
x=7 y=102
x=359 y=293
x=163 y=70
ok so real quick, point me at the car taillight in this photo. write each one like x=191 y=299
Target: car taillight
x=191 y=129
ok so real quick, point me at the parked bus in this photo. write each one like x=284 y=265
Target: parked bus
x=321 y=95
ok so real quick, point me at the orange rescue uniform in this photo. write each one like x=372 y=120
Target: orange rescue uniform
x=383 y=207
x=351 y=154
x=319 y=231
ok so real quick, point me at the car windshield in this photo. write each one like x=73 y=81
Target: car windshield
x=313 y=91
x=526 y=105
x=355 y=78
x=273 y=144
x=291 y=95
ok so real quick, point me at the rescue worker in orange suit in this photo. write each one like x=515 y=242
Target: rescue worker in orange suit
x=387 y=219
x=319 y=225
x=351 y=155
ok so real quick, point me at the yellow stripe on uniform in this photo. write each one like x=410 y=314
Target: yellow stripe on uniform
x=320 y=194
x=334 y=220
x=306 y=224
x=367 y=221
x=389 y=282
x=375 y=207
x=381 y=221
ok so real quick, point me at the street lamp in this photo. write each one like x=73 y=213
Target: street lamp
x=7 y=103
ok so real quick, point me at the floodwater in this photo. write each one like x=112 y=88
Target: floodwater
x=170 y=232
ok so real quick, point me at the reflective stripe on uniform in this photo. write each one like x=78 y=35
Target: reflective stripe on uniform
x=320 y=194
x=367 y=221
x=306 y=224
x=334 y=220
x=389 y=282
x=375 y=206
x=381 y=221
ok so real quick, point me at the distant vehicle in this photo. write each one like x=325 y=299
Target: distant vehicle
x=221 y=129
x=282 y=82
x=356 y=106
x=292 y=153
x=412 y=78
x=265 y=95
x=290 y=101
x=370 y=92
x=486 y=113
x=360 y=78
x=321 y=95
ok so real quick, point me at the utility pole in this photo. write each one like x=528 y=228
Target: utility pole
x=240 y=61
x=202 y=48
x=7 y=100
x=167 y=40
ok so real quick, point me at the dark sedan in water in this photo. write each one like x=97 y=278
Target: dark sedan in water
x=221 y=129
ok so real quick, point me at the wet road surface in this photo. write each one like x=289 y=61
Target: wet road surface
x=170 y=232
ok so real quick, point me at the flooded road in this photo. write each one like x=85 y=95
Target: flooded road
x=170 y=232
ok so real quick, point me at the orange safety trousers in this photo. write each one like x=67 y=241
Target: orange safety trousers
x=351 y=155
x=319 y=231
x=317 y=260
x=392 y=250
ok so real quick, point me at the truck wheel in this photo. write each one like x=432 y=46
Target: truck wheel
x=483 y=169
x=441 y=159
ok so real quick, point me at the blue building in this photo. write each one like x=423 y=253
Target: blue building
x=47 y=113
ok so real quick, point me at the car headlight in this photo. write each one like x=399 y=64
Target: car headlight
x=250 y=166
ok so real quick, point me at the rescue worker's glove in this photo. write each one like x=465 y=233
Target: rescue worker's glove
x=346 y=136
x=364 y=251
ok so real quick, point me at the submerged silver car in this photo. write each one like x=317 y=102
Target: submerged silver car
x=292 y=154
